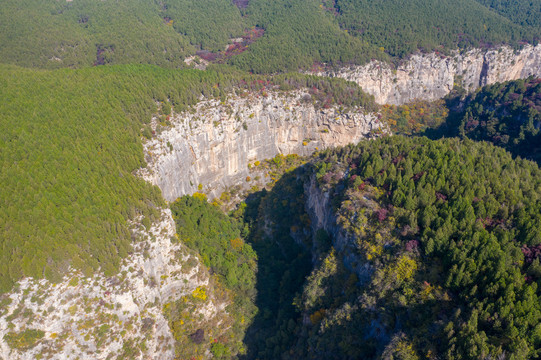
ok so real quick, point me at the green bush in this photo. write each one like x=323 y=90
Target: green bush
x=24 y=340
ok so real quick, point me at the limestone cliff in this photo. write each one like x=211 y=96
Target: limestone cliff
x=318 y=206
x=122 y=316
x=209 y=148
x=102 y=317
x=432 y=76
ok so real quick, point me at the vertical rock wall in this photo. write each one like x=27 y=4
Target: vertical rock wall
x=318 y=206
x=432 y=76
x=213 y=145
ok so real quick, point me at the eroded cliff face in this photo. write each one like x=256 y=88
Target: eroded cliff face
x=318 y=207
x=120 y=317
x=209 y=149
x=432 y=76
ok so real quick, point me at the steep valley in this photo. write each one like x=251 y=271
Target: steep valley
x=207 y=149
x=270 y=180
x=337 y=244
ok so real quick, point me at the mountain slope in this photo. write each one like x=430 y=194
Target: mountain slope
x=506 y=114
x=48 y=34
x=403 y=27
x=39 y=33
x=69 y=143
x=525 y=13
x=432 y=256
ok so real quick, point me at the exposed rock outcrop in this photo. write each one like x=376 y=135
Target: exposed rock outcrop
x=123 y=316
x=117 y=317
x=432 y=76
x=318 y=206
x=209 y=149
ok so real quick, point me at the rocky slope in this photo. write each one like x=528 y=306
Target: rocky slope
x=122 y=316
x=118 y=317
x=210 y=148
x=432 y=76
x=318 y=206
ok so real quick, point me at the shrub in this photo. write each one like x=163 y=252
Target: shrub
x=24 y=340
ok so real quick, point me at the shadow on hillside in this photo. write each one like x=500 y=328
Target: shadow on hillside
x=450 y=127
x=279 y=225
x=282 y=240
x=519 y=144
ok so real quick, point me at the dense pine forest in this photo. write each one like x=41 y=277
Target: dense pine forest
x=71 y=140
x=434 y=254
x=431 y=239
x=444 y=229
x=292 y=34
x=506 y=114
x=458 y=23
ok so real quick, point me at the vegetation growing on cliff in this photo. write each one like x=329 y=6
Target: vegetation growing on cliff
x=506 y=114
x=414 y=117
x=69 y=143
x=280 y=235
x=440 y=230
x=218 y=239
x=259 y=254
x=442 y=239
x=438 y=255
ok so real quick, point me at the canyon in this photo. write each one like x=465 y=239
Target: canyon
x=208 y=149
x=211 y=148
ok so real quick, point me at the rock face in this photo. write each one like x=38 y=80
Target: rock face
x=432 y=76
x=117 y=317
x=209 y=149
x=101 y=317
x=318 y=206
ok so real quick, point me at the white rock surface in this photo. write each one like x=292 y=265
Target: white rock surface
x=73 y=312
x=214 y=144
x=432 y=76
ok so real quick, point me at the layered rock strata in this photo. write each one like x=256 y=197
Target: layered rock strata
x=210 y=148
x=432 y=76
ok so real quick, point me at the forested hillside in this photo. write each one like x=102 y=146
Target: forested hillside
x=435 y=254
x=295 y=33
x=207 y=24
x=70 y=141
x=524 y=13
x=439 y=261
x=403 y=27
x=400 y=247
x=218 y=240
x=506 y=114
